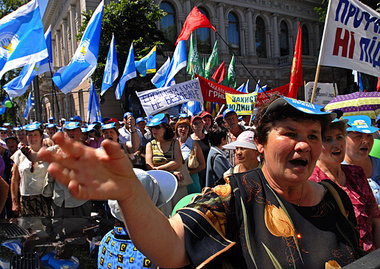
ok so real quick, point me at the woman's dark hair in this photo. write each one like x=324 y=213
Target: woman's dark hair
x=169 y=133
x=216 y=133
x=265 y=120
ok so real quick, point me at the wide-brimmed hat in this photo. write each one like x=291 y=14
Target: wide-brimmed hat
x=360 y=123
x=139 y=119
x=245 y=140
x=160 y=186
x=71 y=125
x=157 y=120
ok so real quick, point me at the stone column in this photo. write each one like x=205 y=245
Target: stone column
x=58 y=47
x=222 y=28
x=73 y=27
x=251 y=34
x=64 y=41
x=276 y=41
x=187 y=7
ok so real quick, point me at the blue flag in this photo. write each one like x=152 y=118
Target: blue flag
x=260 y=88
x=3 y=107
x=85 y=59
x=20 y=84
x=111 y=72
x=94 y=113
x=360 y=82
x=159 y=78
x=178 y=62
x=246 y=88
x=241 y=88
x=147 y=65
x=193 y=108
x=22 y=39
x=129 y=73
x=29 y=105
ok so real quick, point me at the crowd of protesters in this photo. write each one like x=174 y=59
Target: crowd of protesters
x=200 y=151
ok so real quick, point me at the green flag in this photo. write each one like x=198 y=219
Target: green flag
x=231 y=74
x=212 y=61
x=194 y=63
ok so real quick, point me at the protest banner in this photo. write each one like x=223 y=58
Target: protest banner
x=242 y=103
x=214 y=92
x=263 y=98
x=324 y=92
x=157 y=100
x=350 y=38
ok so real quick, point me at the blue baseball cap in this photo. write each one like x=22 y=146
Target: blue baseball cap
x=51 y=118
x=157 y=120
x=75 y=118
x=71 y=125
x=360 y=123
x=183 y=115
x=32 y=127
x=7 y=124
x=51 y=125
x=3 y=129
x=91 y=127
x=126 y=114
x=139 y=119
x=84 y=129
x=18 y=128
x=227 y=111
x=302 y=106
x=111 y=125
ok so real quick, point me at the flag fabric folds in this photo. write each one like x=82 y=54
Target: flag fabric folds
x=246 y=88
x=194 y=65
x=178 y=62
x=241 y=88
x=147 y=64
x=129 y=73
x=378 y=84
x=213 y=60
x=85 y=59
x=231 y=74
x=296 y=73
x=193 y=108
x=220 y=73
x=260 y=88
x=29 y=105
x=22 y=39
x=19 y=85
x=360 y=82
x=111 y=71
x=94 y=114
x=194 y=20
x=159 y=78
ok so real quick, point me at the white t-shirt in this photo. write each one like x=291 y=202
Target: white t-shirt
x=30 y=183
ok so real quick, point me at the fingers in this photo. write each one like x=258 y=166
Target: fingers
x=69 y=146
x=112 y=149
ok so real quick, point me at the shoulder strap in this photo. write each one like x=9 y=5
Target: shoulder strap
x=336 y=197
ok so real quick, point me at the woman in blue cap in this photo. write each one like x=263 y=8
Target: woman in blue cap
x=29 y=178
x=270 y=217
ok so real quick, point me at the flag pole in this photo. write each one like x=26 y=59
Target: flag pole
x=249 y=72
x=315 y=83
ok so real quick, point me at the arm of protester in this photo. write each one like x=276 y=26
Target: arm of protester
x=176 y=163
x=132 y=145
x=149 y=156
x=15 y=183
x=100 y=174
x=200 y=158
x=29 y=153
x=4 y=188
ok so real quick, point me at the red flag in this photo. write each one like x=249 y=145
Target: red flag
x=220 y=73
x=296 y=73
x=262 y=98
x=194 y=20
x=378 y=84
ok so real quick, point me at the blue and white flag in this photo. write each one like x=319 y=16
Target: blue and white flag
x=22 y=39
x=241 y=88
x=159 y=78
x=85 y=59
x=111 y=71
x=129 y=73
x=246 y=88
x=193 y=108
x=94 y=114
x=260 y=88
x=19 y=85
x=3 y=107
x=147 y=64
x=29 y=105
x=178 y=62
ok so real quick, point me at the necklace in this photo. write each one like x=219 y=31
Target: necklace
x=299 y=200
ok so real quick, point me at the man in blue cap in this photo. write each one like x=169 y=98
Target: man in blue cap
x=128 y=134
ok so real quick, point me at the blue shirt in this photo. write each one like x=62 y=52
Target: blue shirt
x=374 y=181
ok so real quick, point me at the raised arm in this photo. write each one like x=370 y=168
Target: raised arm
x=15 y=183
x=4 y=188
x=107 y=174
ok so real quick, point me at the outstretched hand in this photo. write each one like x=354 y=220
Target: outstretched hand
x=96 y=174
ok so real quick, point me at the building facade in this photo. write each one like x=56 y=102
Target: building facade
x=261 y=33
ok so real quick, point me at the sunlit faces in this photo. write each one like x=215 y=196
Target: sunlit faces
x=34 y=137
x=11 y=145
x=207 y=122
x=110 y=134
x=183 y=130
x=291 y=151
x=75 y=134
x=247 y=157
x=232 y=120
x=198 y=125
x=333 y=146
x=359 y=145
x=158 y=131
x=3 y=134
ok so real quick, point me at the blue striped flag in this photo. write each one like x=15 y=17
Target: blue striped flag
x=178 y=62
x=22 y=39
x=85 y=59
x=111 y=71
x=147 y=64
x=94 y=114
x=129 y=73
x=159 y=78
x=20 y=84
x=29 y=106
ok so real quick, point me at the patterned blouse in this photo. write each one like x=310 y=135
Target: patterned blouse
x=245 y=224
x=362 y=199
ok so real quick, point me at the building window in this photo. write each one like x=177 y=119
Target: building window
x=261 y=47
x=284 y=39
x=305 y=41
x=233 y=33
x=203 y=35
x=167 y=23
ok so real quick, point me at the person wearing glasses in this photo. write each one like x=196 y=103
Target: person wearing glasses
x=28 y=178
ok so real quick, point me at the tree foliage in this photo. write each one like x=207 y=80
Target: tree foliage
x=8 y=6
x=130 y=21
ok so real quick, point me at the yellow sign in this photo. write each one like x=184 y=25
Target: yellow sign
x=243 y=104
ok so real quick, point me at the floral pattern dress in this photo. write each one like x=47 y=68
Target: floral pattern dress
x=245 y=224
